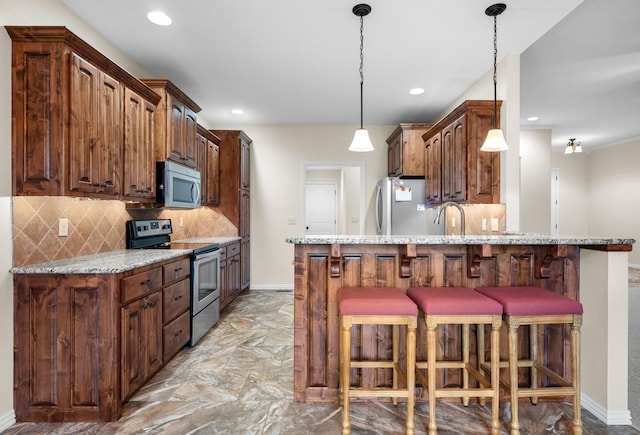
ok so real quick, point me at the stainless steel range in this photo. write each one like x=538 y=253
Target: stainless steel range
x=205 y=269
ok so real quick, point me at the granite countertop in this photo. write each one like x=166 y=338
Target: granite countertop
x=502 y=239
x=116 y=261
x=106 y=262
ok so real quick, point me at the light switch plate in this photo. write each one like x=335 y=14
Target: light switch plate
x=495 y=224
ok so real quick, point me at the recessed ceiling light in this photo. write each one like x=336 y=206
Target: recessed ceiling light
x=237 y=111
x=159 y=18
x=416 y=91
x=533 y=118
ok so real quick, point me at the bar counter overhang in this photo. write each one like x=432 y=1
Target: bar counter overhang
x=592 y=270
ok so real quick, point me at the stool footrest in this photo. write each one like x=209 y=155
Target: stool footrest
x=372 y=364
x=465 y=392
x=546 y=391
x=378 y=392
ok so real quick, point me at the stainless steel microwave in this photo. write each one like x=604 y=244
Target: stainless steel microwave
x=177 y=186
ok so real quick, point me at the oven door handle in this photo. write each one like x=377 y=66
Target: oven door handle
x=206 y=255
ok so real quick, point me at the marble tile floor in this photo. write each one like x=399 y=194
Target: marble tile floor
x=239 y=380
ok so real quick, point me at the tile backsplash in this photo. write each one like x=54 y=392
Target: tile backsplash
x=474 y=215
x=95 y=226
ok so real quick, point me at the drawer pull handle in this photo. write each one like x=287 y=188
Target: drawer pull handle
x=145 y=282
x=177 y=298
x=178 y=269
x=178 y=333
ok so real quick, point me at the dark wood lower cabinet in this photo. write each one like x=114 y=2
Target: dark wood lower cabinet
x=230 y=273
x=84 y=344
x=320 y=270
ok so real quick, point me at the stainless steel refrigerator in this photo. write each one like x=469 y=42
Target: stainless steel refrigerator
x=401 y=210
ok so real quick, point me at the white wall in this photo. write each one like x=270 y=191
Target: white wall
x=535 y=181
x=614 y=199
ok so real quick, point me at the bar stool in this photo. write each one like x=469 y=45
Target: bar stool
x=528 y=305
x=461 y=306
x=377 y=306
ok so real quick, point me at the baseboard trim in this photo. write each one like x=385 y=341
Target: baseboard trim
x=610 y=418
x=288 y=287
x=7 y=420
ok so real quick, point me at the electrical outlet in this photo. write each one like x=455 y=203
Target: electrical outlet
x=495 y=224
x=181 y=221
x=484 y=224
x=453 y=222
x=291 y=220
x=63 y=227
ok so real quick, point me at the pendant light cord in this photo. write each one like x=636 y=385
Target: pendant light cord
x=361 y=70
x=495 y=73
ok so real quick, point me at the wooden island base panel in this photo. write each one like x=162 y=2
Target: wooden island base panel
x=324 y=264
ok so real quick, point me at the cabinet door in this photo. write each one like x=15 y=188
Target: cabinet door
x=175 y=124
x=394 y=156
x=213 y=173
x=433 y=169
x=245 y=261
x=139 y=167
x=95 y=139
x=189 y=140
x=141 y=341
x=454 y=161
x=224 y=284
x=202 y=166
x=244 y=164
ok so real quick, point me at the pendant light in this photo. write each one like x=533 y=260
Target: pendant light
x=495 y=139
x=361 y=141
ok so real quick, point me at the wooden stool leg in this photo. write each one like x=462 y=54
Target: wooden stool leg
x=512 y=345
x=465 y=361
x=495 y=372
x=345 y=375
x=533 y=345
x=340 y=364
x=575 y=375
x=411 y=374
x=431 y=375
x=480 y=355
x=396 y=358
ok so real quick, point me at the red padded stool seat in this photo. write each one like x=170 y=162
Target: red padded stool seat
x=378 y=306
x=462 y=306
x=533 y=306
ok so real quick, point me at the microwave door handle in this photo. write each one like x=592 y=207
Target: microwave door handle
x=195 y=198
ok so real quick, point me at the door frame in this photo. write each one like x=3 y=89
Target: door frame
x=332 y=166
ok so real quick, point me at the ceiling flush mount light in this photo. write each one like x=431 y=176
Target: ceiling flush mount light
x=533 y=118
x=159 y=18
x=361 y=141
x=573 y=146
x=416 y=91
x=495 y=139
x=237 y=111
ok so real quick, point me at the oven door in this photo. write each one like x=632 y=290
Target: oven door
x=205 y=280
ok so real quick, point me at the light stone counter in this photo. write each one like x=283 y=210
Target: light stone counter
x=503 y=239
x=106 y=262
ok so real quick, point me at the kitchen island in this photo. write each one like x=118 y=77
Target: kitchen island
x=323 y=264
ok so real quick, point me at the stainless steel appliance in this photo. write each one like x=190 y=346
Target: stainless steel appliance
x=205 y=269
x=177 y=186
x=401 y=209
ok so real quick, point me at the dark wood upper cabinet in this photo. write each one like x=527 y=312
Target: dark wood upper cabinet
x=455 y=168
x=68 y=115
x=405 y=151
x=208 y=163
x=176 y=123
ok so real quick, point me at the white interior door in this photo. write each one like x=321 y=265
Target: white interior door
x=320 y=208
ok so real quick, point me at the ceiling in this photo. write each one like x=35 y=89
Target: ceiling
x=296 y=62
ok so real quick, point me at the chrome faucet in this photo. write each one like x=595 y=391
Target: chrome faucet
x=459 y=207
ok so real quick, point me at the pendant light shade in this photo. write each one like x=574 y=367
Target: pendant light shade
x=361 y=141
x=494 y=142
x=495 y=139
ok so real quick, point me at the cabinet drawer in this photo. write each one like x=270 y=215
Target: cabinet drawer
x=140 y=284
x=223 y=252
x=233 y=249
x=176 y=270
x=176 y=299
x=175 y=335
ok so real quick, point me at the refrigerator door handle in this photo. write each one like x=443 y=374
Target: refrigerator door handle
x=378 y=210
